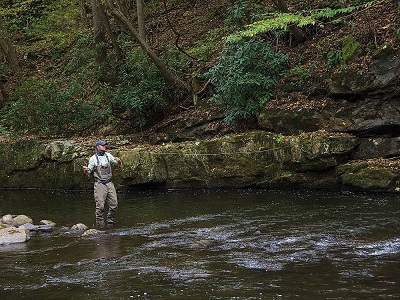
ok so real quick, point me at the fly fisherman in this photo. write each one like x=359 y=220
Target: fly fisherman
x=104 y=190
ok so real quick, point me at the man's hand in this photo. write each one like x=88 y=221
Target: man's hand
x=85 y=169
x=118 y=160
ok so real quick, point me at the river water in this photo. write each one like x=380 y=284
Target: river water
x=223 y=244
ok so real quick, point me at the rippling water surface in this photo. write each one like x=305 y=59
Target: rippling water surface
x=207 y=245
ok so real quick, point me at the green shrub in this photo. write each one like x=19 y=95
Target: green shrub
x=83 y=56
x=142 y=93
x=333 y=57
x=51 y=25
x=244 y=77
x=141 y=90
x=49 y=107
x=236 y=12
x=398 y=32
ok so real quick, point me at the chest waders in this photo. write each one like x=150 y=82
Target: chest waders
x=104 y=192
x=103 y=173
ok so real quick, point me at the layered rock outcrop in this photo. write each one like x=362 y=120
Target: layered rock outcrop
x=256 y=159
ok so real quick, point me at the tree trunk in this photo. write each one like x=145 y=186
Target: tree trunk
x=107 y=26
x=99 y=33
x=1 y=95
x=8 y=51
x=84 y=10
x=294 y=29
x=101 y=26
x=167 y=75
x=141 y=18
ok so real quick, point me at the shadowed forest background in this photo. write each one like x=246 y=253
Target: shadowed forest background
x=78 y=68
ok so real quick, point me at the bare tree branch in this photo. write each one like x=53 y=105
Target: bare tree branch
x=107 y=27
x=141 y=18
x=167 y=75
x=178 y=36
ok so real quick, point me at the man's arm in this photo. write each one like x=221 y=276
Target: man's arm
x=114 y=159
x=90 y=167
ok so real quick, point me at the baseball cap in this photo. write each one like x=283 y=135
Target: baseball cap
x=101 y=143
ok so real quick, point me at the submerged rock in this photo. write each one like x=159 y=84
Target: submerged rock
x=28 y=226
x=38 y=228
x=47 y=222
x=79 y=227
x=44 y=228
x=91 y=232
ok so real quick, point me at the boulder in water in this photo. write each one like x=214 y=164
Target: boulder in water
x=21 y=220
x=13 y=235
x=8 y=219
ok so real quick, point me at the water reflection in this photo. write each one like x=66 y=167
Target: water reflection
x=108 y=246
x=13 y=249
x=211 y=245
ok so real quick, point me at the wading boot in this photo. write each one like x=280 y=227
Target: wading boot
x=100 y=224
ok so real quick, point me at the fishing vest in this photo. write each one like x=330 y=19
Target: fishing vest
x=102 y=172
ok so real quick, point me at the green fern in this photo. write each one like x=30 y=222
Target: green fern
x=329 y=13
x=281 y=21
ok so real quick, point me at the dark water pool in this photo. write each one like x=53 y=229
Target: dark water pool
x=207 y=245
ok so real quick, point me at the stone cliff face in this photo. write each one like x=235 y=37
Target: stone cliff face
x=350 y=142
x=256 y=159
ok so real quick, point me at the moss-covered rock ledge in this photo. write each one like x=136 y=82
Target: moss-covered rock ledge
x=257 y=159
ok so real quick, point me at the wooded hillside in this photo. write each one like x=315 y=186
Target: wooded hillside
x=78 y=67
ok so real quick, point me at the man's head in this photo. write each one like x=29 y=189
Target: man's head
x=101 y=146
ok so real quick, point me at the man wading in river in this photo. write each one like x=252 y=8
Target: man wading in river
x=104 y=191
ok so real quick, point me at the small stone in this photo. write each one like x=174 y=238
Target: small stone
x=47 y=222
x=79 y=227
